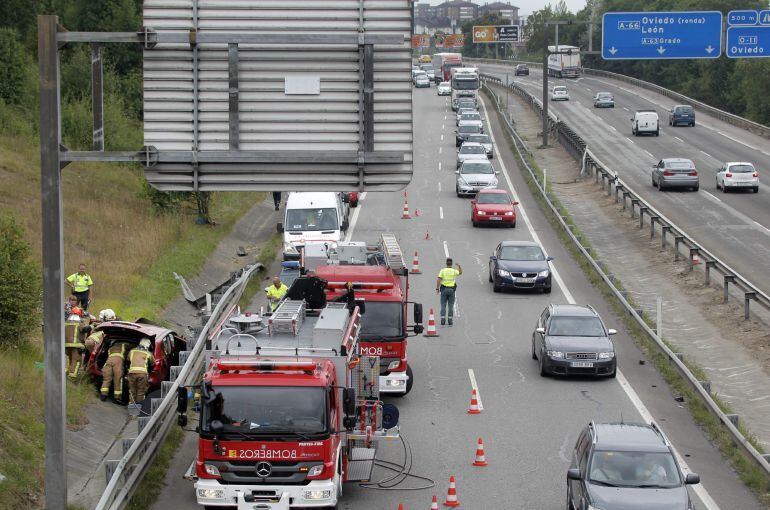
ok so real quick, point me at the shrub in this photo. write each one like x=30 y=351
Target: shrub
x=19 y=284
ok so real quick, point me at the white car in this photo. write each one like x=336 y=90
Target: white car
x=421 y=79
x=559 y=93
x=737 y=175
x=475 y=175
x=444 y=88
x=471 y=118
x=470 y=151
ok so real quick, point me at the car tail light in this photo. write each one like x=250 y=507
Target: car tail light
x=668 y=172
x=694 y=173
x=755 y=174
x=728 y=174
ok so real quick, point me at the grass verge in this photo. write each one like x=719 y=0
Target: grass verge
x=154 y=479
x=267 y=254
x=749 y=473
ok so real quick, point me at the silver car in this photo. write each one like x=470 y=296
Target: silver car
x=470 y=119
x=471 y=151
x=486 y=141
x=473 y=176
x=675 y=173
x=604 y=100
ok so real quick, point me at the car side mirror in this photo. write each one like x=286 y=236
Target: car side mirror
x=692 y=478
x=612 y=332
x=279 y=228
x=573 y=474
x=492 y=258
x=549 y=258
x=457 y=172
x=497 y=172
x=540 y=330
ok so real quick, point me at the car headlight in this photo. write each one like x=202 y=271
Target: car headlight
x=394 y=382
x=509 y=213
x=289 y=248
x=461 y=182
x=394 y=364
x=211 y=470
x=555 y=354
x=544 y=273
x=606 y=355
x=211 y=493
x=492 y=183
x=482 y=213
x=314 y=495
x=503 y=272
x=315 y=470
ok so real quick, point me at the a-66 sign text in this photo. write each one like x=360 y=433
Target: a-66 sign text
x=495 y=34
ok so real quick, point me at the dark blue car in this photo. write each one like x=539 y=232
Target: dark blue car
x=681 y=114
x=519 y=265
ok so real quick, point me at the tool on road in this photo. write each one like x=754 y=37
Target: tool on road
x=474 y=407
x=416 y=264
x=451 y=495
x=431 y=331
x=481 y=459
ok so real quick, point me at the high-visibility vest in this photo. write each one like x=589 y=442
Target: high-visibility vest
x=118 y=349
x=72 y=335
x=80 y=282
x=277 y=293
x=138 y=360
x=448 y=276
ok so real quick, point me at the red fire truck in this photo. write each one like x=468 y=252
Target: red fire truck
x=288 y=410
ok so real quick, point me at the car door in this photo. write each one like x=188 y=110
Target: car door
x=542 y=322
x=721 y=176
x=579 y=490
x=657 y=171
x=493 y=262
x=578 y=452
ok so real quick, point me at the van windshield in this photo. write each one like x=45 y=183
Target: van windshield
x=311 y=219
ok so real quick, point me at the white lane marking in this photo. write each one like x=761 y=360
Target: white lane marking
x=707 y=154
x=443 y=126
x=577 y=102
x=442 y=138
x=589 y=90
x=712 y=196
x=647 y=417
x=699 y=490
x=446 y=250
x=475 y=386
x=627 y=138
x=441 y=212
x=764 y=227
x=439 y=166
x=354 y=219
x=738 y=141
x=440 y=150
x=613 y=128
x=439 y=186
x=650 y=154
x=626 y=109
x=679 y=139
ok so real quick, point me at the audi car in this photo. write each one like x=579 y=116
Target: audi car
x=520 y=265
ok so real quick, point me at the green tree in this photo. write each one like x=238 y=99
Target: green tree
x=19 y=284
x=14 y=67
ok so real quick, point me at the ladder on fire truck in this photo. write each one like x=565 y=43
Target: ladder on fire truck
x=394 y=257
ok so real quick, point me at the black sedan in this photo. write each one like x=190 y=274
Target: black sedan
x=521 y=70
x=519 y=265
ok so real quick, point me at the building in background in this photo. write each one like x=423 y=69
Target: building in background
x=432 y=25
x=503 y=9
x=459 y=11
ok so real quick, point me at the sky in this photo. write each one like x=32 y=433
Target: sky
x=526 y=7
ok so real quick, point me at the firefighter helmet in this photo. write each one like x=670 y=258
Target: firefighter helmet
x=145 y=344
x=107 y=315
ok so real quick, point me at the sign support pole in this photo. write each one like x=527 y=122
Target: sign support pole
x=53 y=261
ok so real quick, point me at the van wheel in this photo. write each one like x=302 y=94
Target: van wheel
x=756 y=189
x=657 y=132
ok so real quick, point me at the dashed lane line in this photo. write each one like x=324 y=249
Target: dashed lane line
x=712 y=196
x=441 y=212
x=446 y=250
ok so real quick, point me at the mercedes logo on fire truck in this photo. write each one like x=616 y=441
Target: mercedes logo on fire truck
x=264 y=469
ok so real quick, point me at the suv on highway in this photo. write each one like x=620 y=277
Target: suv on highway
x=645 y=121
x=572 y=340
x=628 y=466
x=681 y=114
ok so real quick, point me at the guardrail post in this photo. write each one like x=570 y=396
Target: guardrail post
x=734 y=419
x=610 y=182
x=747 y=297
x=709 y=265
x=664 y=229
x=174 y=373
x=126 y=443
x=141 y=422
x=728 y=279
x=164 y=387
x=677 y=241
x=626 y=194
x=653 y=219
x=706 y=385
x=155 y=404
x=183 y=356
x=634 y=202
x=694 y=252
x=618 y=189
x=642 y=210
x=109 y=469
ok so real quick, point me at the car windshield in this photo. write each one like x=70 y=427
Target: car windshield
x=684 y=109
x=465 y=83
x=466 y=104
x=444 y=84
x=427 y=67
x=311 y=219
x=476 y=168
x=521 y=253
x=470 y=116
x=680 y=165
x=472 y=149
x=266 y=409
x=493 y=198
x=604 y=95
x=634 y=469
x=741 y=169
x=521 y=66
x=576 y=326
x=420 y=73
x=468 y=129
x=382 y=320
x=560 y=89
x=479 y=139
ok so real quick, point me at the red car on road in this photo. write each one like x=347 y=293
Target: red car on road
x=493 y=206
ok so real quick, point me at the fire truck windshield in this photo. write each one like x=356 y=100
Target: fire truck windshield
x=266 y=410
x=382 y=320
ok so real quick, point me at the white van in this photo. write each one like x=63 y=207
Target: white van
x=645 y=121
x=313 y=216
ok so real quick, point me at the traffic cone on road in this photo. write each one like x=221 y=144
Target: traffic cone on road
x=400 y=506
x=416 y=265
x=434 y=504
x=451 y=495
x=405 y=215
x=431 y=331
x=481 y=459
x=474 y=407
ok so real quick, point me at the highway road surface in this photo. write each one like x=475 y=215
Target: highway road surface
x=529 y=424
x=734 y=226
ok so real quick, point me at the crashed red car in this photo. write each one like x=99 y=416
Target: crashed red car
x=493 y=206
x=165 y=346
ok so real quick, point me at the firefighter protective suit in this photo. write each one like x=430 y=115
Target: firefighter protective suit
x=140 y=362
x=112 y=371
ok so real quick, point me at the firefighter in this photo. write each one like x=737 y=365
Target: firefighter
x=349 y=297
x=74 y=332
x=446 y=285
x=140 y=363
x=95 y=338
x=276 y=292
x=112 y=372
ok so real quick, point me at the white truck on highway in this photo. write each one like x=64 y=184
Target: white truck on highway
x=465 y=83
x=564 y=61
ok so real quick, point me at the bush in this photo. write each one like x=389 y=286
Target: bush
x=19 y=284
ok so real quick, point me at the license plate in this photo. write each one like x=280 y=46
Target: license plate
x=525 y=280
x=581 y=364
x=495 y=218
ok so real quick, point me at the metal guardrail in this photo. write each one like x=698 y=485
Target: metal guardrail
x=597 y=168
x=732 y=119
x=124 y=476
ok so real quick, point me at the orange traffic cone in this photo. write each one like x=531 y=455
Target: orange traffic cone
x=416 y=265
x=434 y=504
x=474 y=407
x=451 y=495
x=400 y=506
x=481 y=459
x=405 y=215
x=431 y=331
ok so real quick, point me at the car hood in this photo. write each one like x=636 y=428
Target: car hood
x=478 y=177
x=622 y=498
x=581 y=344
x=464 y=157
x=495 y=208
x=523 y=266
